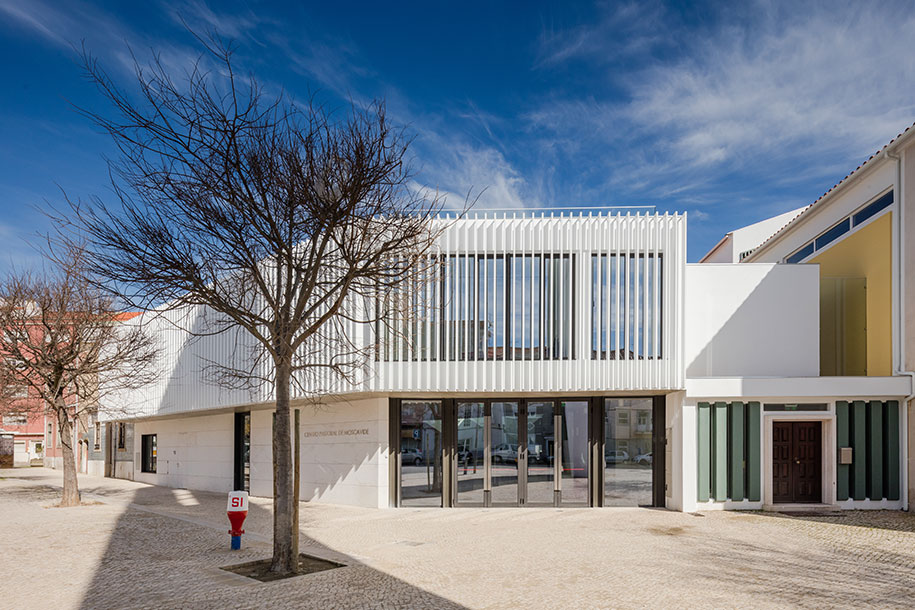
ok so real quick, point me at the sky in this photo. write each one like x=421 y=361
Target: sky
x=732 y=112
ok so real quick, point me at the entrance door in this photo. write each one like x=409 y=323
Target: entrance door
x=796 y=462
x=521 y=453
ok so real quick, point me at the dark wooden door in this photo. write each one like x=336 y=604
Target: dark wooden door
x=796 y=462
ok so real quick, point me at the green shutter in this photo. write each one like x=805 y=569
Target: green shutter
x=859 y=447
x=737 y=417
x=703 y=455
x=843 y=471
x=720 y=452
x=875 y=450
x=754 y=456
x=891 y=446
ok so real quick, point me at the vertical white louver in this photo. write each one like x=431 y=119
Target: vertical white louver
x=528 y=303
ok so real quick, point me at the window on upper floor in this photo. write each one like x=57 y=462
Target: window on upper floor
x=19 y=391
x=15 y=419
x=484 y=307
x=626 y=306
x=846 y=225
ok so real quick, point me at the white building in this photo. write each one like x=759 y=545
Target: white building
x=577 y=360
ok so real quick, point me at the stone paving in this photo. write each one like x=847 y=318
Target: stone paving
x=141 y=546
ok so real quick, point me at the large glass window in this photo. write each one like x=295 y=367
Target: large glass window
x=504 y=439
x=628 y=435
x=541 y=469
x=471 y=440
x=483 y=307
x=626 y=306
x=574 y=452
x=421 y=453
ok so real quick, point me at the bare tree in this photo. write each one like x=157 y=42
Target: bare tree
x=64 y=341
x=289 y=222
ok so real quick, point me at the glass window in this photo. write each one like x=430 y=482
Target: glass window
x=483 y=307
x=97 y=442
x=800 y=254
x=833 y=234
x=148 y=463
x=421 y=453
x=872 y=210
x=470 y=443
x=122 y=435
x=620 y=286
x=541 y=471
x=628 y=452
x=574 y=482
x=503 y=434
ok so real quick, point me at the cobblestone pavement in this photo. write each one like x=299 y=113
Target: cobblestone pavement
x=140 y=546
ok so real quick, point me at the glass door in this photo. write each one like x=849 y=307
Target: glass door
x=540 y=485
x=628 y=430
x=471 y=483
x=504 y=453
x=519 y=453
x=574 y=444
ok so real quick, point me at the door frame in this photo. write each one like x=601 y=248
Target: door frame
x=827 y=422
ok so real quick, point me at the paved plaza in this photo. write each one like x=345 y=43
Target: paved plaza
x=141 y=546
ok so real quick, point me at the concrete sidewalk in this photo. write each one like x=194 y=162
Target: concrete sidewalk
x=147 y=546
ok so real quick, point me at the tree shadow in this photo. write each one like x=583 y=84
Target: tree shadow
x=891 y=520
x=838 y=574
x=167 y=550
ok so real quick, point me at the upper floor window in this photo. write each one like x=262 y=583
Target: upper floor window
x=846 y=225
x=626 y=306
x=484 y=307
x=15 y=419
x=19 y=391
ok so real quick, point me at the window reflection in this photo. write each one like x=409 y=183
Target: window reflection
x=628 y=458
x=420 y=453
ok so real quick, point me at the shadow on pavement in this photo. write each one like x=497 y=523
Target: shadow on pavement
x=891 y=520
x=168 y=547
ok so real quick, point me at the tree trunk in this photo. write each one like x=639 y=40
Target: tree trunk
x=70 y=495
x=285 y=529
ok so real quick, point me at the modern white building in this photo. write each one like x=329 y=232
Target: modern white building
x=578 y=360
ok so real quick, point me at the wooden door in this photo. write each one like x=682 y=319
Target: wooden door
x=796 y=462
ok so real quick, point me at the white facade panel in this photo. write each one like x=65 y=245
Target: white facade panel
x=595 y=303
x=758 y=320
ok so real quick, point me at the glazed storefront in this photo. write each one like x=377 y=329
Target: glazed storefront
x=592 y=451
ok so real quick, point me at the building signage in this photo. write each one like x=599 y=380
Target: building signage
x=346 y=432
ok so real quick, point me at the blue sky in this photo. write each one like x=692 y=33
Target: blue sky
x=732 y=112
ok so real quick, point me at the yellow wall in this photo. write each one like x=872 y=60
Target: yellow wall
x=868 y=254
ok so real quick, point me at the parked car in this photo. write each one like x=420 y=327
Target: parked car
x=616 y=456
x=643 y=459
x=411 y=456
x=505 y=453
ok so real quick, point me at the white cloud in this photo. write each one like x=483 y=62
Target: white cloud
x=770 y=88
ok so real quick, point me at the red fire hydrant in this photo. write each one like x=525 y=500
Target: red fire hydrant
x=237 y=511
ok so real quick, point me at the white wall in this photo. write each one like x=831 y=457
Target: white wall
x=345 y=453
x=343 y=444
x=752 y=320
x=193 y=452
